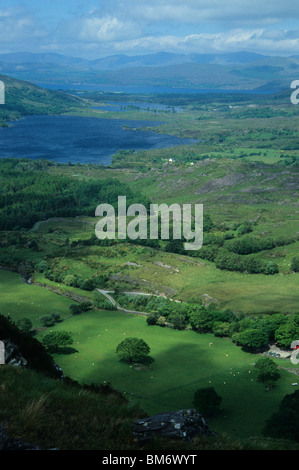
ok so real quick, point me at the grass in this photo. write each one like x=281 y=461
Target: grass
x=183 y=362
x=19 y=300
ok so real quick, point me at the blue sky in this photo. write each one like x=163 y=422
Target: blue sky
x=92 y=29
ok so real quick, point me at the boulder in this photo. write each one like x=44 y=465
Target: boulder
x=182 y=424
x=12 y=354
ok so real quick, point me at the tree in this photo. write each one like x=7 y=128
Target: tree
x=288 y=332
x=267 y=371
x=221 y=329
x=56 y=339
x=251 y=339
x=161 y=321
x=47 y=321
x=178 y=321
x=133 y=350
x=152 y=318
x=207 y=401
x=85 y=306
x=284 y=423
x=50 y=320
x=75 y=309
x=87 y=284
x=25 y=325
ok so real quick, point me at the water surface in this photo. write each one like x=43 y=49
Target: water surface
x=79 y=139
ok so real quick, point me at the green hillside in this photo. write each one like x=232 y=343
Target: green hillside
x=23 y=99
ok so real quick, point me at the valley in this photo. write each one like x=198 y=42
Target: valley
x=243 y=167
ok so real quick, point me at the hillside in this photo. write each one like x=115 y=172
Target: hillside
x=23 y=99
x=43 y=412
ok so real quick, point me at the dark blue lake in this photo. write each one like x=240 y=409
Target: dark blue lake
x=79 y=139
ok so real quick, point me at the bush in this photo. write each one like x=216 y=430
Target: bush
x=271 y=268
x=152 y=319
x=87 y=284
x=178 y=321
x=161 y=321
x=47 y=321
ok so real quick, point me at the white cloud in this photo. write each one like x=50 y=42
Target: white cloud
x=258 y=40
x=143 y=26
x=19 y=29
x=193 y=11
x=107 y=28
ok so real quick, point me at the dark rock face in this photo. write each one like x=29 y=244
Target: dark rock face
x=12 y=354
x=182 y=424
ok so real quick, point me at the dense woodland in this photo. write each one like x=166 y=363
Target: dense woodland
x=29 y=194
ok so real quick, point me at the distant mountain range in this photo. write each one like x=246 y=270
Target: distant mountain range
x=116 y=62
x=238 y=70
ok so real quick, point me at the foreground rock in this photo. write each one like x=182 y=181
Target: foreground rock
x=182 y=424
x=12 y=354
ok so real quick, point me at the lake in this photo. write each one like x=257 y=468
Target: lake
x=79 y=139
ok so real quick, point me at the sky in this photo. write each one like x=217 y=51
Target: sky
x=92 y=29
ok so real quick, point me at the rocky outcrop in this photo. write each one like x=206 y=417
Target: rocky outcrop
x=182 y=424
x=12 y=354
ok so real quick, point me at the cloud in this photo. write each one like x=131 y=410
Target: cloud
x=107 y=28
x=19 y=29
x=143 y=26
x=223 y=11
x=258 y=40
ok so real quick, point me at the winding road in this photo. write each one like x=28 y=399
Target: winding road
x=107 y=293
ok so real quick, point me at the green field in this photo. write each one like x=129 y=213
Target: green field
x=19 y=300
x=183 y=362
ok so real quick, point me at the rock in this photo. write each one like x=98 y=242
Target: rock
x=12 y=355
x=182 y=424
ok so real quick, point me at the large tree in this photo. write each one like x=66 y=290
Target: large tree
x=267 y=371
x=56 y=339
x=133 y=350
x=251 y=339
